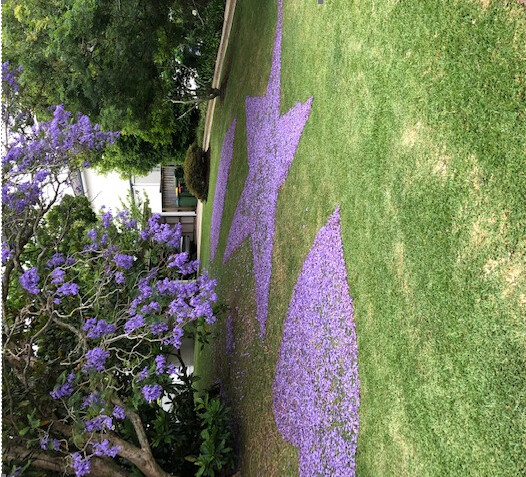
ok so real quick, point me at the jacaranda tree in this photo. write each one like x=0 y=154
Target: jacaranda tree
x=94 y=312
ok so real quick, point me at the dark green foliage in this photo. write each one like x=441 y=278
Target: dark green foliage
x=195 y=172
x=118 y=62
x=216 y=452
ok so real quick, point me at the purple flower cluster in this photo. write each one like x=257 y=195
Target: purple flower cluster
x=57 y=276
x=160 y=364
x=92 y=399
x=176 y=338
x=81 y=466
x=7 y=253
x=143 y=374
x=68 y=289
x=126 y=220
x=98 y=423
x=162 y=233
x=123 y=261
x=96 y=359
x=9 y=75
x=96 y=328
x=227 y=152
x=153 y=306
x=158 y=327
x=65 y=389
x=316 y=388
x=107 y=217
x=105 y=449
x=29 y=281
x=133 y=323
x=37 y=153
x=152 y=392
x=118 y=413
x=172 y=369
x=272 y=141
x=45 y=444
x=56 y=260
x=119 y=278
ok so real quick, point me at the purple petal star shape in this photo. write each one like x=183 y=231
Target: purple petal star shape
x=227 y=151
x=272 y=141
x=316 y=392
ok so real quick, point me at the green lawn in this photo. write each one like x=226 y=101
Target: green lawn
x=418 y=130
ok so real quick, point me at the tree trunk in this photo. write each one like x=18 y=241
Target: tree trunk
x=100 y=466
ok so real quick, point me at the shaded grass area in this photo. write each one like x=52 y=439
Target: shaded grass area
x=417 y=130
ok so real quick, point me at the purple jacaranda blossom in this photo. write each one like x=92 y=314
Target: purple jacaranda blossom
x=143 y=374
x=272 y=141
x=150 y=307
x=91 y=399
x=105 y=448
x=104 y=239
x=178 y=260
x=96 y=328
x=172 y=369
x=179 y=288
x=56 y=260
x=65 y=389
x=96 y=359
x=7 y=253
x=92 y=235
x=44 y=442
x=160 y=364
x=227 y=152
x=98 y=423
x=131 y=224
x=123 y=215
x=133 y=323
x=57 y=301
x=57 y=276
x=162 y=233
x=152 y=392
x=42 y=175
x=189 y=268
x=176 y=337
x=145 y=289
x=118 y=413
x=10 y=75
x=68 y=289
x=107 y=219
x=158 y=327
x=81 y=466
x=123 y=261
x=316 y=388
x=29 y=280
x=56 y=444
x=119 y=278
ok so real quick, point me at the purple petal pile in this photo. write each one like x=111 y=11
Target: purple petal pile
x=316 y=387
x=272 y=141
x=227 y=151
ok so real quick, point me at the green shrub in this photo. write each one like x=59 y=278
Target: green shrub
x=196 y=171
x=216 y=454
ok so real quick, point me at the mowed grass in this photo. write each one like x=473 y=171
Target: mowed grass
x=418 y=131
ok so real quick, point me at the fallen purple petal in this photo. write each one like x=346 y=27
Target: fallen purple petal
x=272 y=141
x=227 y=151
x=316 y=387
